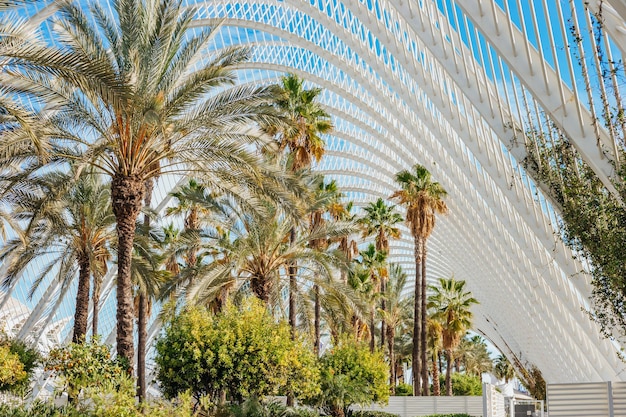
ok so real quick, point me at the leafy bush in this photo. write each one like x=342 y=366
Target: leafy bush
x=404 y=390
x=449 y=415
x=351 y=374
x=242 y=352
x=366 y=413
x=17 y=362
x=40 y=409
x=463 y=384
x=85 y=366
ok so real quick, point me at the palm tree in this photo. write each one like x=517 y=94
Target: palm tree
x=434 y=344
x=423 y=199
x=260 y=252
x=70 y=223
x=503 y=369
x=132 y=80
x=452 y=304
x=475 y=357
x=302 y=139
x=374 y=263
x=327 y=200
x=194 y=202
x=395 y=314
x=381 y=219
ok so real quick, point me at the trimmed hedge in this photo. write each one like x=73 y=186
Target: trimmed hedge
x=450 y=415
x=365 y=413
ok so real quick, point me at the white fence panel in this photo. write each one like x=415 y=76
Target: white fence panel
x=493 y=402
x=619 y=399
x=424 y=406
x=579 y=400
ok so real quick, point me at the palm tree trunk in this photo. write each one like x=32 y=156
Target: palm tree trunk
x=292 y=270
x=262 y=288
x=95 y=297
x=82 y=299
x=318 y=313
x=424 y=359
x=436 y=387
x=448 y=372
x=383 y=307
x=293 y=288
x=142 y=319
x=392 y=359
x=372 y=331
x=142 y=329
x=127 y=198
x=417 y=319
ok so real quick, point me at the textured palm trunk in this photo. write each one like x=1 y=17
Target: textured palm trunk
x=392 y=359
x=82 y=299
x=424 y=359
x=192 y=223
x=448 y=372
x=95 y=299
x=127 y=198
x=318 y=314
x=372 y=331
x=142 y=330
x=417 y=319
x=435 y=367
x=142 y=317
x=292 y=271
x=383 y=307
x=260 y=286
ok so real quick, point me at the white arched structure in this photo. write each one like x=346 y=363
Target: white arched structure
x=459 y=86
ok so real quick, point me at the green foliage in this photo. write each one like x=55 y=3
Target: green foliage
x=533 y=381
x=463 y=384
x=40 y=409
x=85 y=366
x=11 y=369
x=253 y=407
x=404 y=390
x=242 y=352
x=17 y=362
x=351 y=374
x=449 y=415
x=366 y=413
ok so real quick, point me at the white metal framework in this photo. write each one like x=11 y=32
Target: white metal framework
x=459 y=86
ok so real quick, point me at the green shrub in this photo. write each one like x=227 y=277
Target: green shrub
x=17 y=363
x=404 y=390
x=463 y=384
x=366 y=413
x=40 y=409
x=242 y=352
x=449 y=415
x=351 y=374
x=81 y=366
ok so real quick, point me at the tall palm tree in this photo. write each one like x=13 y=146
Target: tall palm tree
x=327 y=201
x=303 y=141
x=396 y=313
x=70 y=224
x=132 y=80
x=374 y=262
x=423 y=199
x=452 y=304
x=381 y=219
